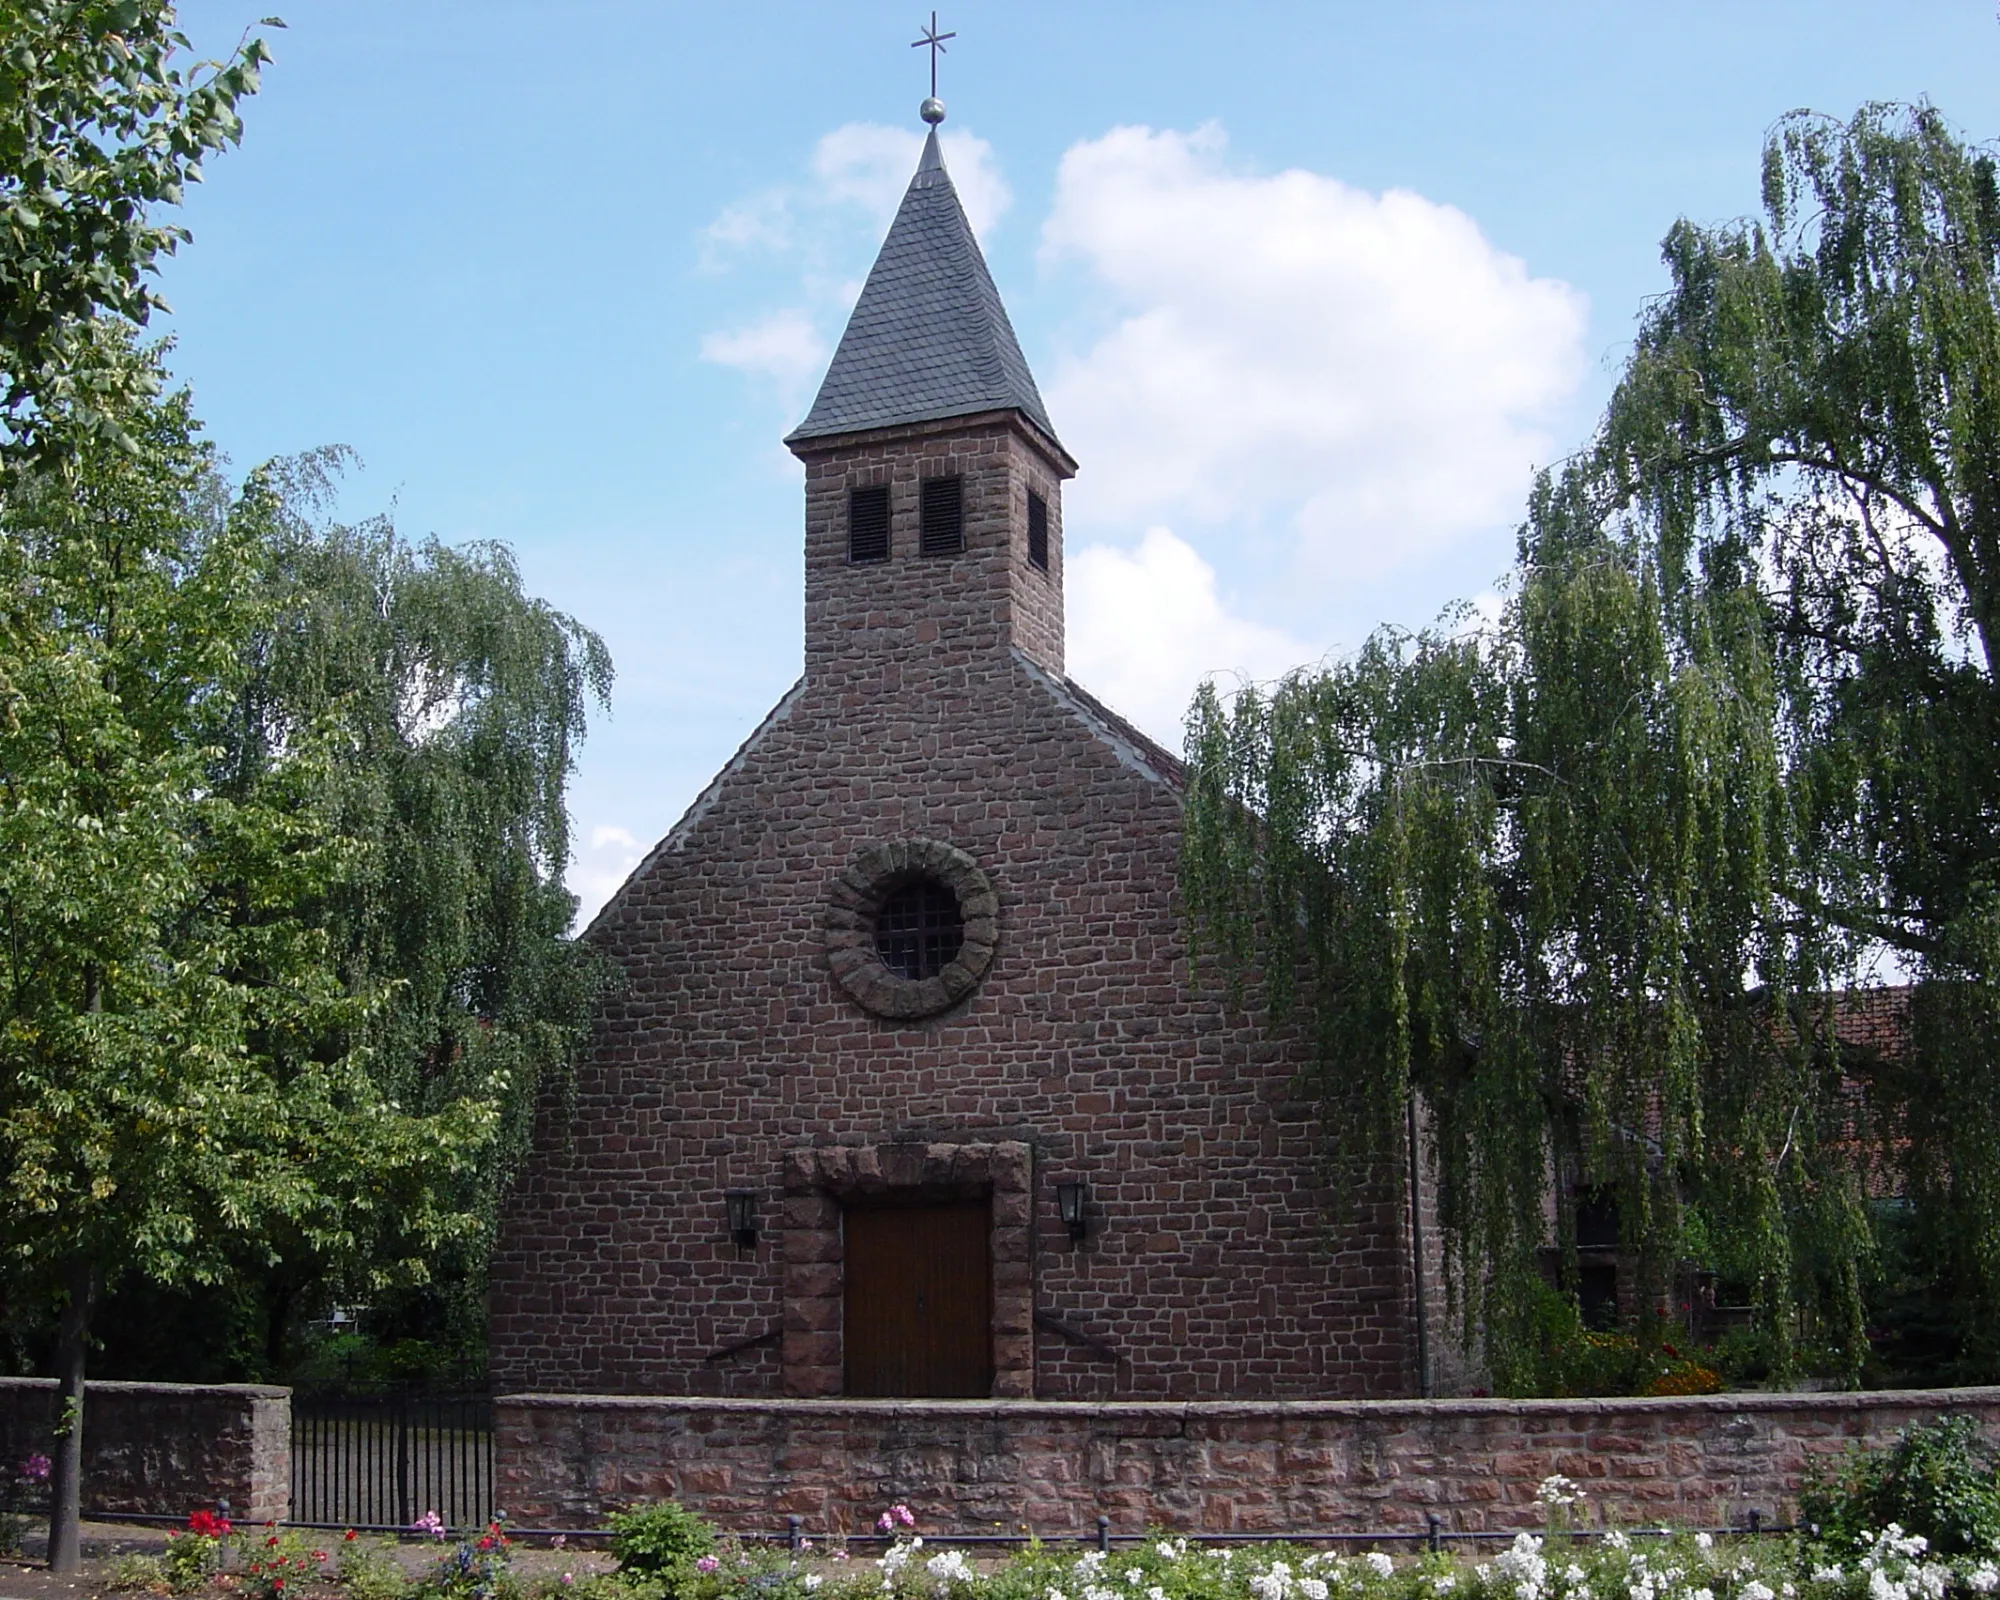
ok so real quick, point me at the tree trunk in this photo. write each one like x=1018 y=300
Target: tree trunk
x=66 y=1471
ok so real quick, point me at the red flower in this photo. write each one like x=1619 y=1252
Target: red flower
x=350 y=1536
x=271 y=1541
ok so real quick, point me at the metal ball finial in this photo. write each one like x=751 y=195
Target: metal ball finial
x=932 y=111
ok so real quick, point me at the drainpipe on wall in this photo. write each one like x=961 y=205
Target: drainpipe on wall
x=1424 y=1384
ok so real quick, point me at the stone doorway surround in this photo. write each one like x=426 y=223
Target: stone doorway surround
x=818 y=1179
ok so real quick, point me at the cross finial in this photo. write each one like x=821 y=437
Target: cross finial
x=932 y=110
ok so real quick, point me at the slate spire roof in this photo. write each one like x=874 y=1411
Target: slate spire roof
x=929 y=337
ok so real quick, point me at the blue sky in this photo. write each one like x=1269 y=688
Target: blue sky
x=1310 y=290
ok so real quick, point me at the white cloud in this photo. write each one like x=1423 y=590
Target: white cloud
x=761 y=222
x=783 y=346
x=596 y=871
x=869 y=164
x=859 y=172
x=1147 y=625
x=1366 y=370
x=825 y=228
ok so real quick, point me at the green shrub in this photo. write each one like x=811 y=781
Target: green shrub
x=127 y=1573
x=477 y=1567
x=191 y=1559
x=660 y=1543
x=1938 y=1480
x=369 y=1570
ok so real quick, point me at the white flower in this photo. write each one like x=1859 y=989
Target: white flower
x=1313 y=1588
x=1134 y=1576
x=1156 y=1593
x=1753 y=1590
x=1830 y=1574
x=812 y=1581
x=1702 y=1594
x=1882 y=1587
x=1984 y=1578
x=1053 y=1593
x=1444 y=1582
x=949 y=1568
x=1380 y=1565
x=1703 y=1541
x=1523 y=1566
x=1556 y=1490
x=1172 y=1549
x=1275 y=1584
x=1092 y=1591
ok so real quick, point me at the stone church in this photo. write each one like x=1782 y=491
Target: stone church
x=910 y=1087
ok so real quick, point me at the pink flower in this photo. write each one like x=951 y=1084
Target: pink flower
x=903 y=1516
x=559 y=1542
x=706 y=1564
x=886 y=1523
x=36 y=1469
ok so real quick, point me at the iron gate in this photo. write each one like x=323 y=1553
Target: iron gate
x=384 y=1462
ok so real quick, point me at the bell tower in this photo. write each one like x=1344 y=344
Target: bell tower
x=933 y=476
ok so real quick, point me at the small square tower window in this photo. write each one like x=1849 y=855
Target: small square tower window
x=868 y=523
x=943 y=517
x=1038 y=531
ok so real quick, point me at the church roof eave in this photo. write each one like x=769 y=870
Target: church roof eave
x=803 y=445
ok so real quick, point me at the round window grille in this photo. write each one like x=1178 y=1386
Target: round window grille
x=919 y=929
x=910 y=927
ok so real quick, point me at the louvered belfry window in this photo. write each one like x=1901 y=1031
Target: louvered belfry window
x=868 y=524
x=1038 y=531
x=943 y=517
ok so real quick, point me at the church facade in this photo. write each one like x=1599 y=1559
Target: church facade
x=910 y=1087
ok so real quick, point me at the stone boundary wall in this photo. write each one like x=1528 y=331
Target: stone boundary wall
x=1207 y=1466
x=164 y=1448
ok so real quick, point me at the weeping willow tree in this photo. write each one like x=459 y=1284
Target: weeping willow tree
x=444 y=705
x=454 y=702
x=1594 y=884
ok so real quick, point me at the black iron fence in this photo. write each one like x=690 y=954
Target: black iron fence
x=386 y=1461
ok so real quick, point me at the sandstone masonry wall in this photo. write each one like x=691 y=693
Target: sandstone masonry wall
x=165 y=1448
x=1217 y=1260
x=1211 y=1467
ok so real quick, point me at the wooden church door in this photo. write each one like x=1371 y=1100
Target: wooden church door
x=919 y=1300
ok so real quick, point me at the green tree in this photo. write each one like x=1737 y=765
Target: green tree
x=100 y=122
x=1589 y=883
x=181 y=1065
x=458 y=701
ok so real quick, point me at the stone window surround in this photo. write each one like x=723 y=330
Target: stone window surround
x=819 y=1179
x=855 y=896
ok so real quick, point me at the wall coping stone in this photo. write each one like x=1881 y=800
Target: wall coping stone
x=269 y=1391
x=1604 y=1405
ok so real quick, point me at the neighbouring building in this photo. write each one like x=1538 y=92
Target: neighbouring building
x=911 y=1088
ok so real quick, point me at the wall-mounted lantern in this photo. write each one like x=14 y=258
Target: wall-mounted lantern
x=742 y=1205
x=1069 y=1206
